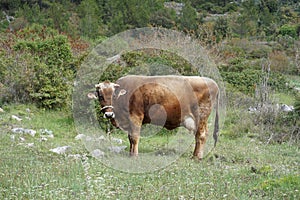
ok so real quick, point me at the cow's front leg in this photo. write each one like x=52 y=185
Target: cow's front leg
x=134 y=144
x=134 y=137
x=200 y=139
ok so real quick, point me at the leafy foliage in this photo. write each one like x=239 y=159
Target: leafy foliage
x=148 y=62
x=233 y=29
x=288 y=30
x=44 y=71
x=246 y=78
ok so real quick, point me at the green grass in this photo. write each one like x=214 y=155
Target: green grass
x=283 y=98
x=239 y=168
x=294 y=80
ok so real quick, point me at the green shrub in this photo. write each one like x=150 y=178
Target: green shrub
x=211 y=8
x=150 y=62
x=280 y=62
x=259 y=53
x=39 y=68
x=290 y=30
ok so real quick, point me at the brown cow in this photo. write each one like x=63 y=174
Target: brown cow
x=168 y=101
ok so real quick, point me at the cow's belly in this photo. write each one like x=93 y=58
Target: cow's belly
x=168 y=116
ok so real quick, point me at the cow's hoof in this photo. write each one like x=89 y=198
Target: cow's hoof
x=197 y=159
x=134 y=156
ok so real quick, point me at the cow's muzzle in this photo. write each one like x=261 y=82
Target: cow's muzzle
x=108 y=114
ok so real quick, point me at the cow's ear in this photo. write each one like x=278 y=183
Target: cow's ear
x=121 y=93
x=91 y=96
x=116 y=85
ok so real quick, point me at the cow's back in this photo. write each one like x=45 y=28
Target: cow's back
x=163 y=99
x=204 y=88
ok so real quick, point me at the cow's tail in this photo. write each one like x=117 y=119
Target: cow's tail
x=216 y=127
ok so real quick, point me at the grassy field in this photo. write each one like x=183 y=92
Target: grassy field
x=240 y=168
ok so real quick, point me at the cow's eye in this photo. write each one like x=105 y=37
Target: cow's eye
x=101 y=98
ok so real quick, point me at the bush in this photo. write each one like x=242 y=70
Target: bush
x=268 y=123
x=53 y=72
x=39 y=68
x=150 y=62
x=276 y=126
x=280 y=62
x=288 y=30
x=247 y=80
x=211 y=8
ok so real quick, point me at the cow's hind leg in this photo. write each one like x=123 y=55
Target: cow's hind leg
x=134 y=137
x=200 y=139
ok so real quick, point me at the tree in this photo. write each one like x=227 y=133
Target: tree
x=188 y=18
x=90 y=18
x=164 y=17
x=221 y=28
x=117 y=24
x=245 y=24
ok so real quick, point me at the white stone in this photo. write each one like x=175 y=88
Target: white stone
x=286 y=108
x=29 y=145
x=25 y=131
x=97 y=153
x=75 y=156
x=46 y=133
x=43 y=139
x=117 y=140
x=80 y=137
x=16 y=118
x=61 y=150
x=117 y=149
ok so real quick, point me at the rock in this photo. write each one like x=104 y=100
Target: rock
x=117 y=140
x=24 y=131
x=80 y=137
x=12 y=137
x=61 y=150
x=46 y=133
x=286 y=108
x=252 y=109
x=88 y=139
x=75 y=156
x=29 y=145
x=117 y=149
x=97 y=153
x=102 y=137
x=43 y=139
x=16 y=118
x=113 y=59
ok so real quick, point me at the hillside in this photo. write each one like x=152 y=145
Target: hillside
x=251 y=46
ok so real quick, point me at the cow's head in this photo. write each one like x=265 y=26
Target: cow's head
x=104 y=93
